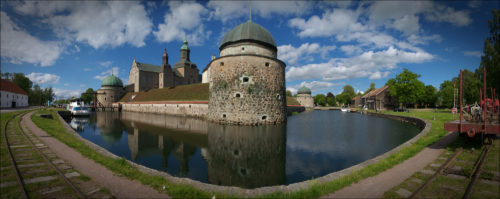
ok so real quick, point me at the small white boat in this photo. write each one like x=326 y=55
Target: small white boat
x=77 y=108
x=345 y=109
x=78 y=123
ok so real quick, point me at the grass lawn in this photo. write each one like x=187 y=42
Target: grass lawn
x=121 y=167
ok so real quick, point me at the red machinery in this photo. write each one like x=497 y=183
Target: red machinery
x=478 y=119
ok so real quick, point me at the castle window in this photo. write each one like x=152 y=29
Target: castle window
x=222 y=63
x=267 y=64
x=237 y=95
x=245 y=79
x=243 y=48
x=264 y=117
x=278 y=96
x=223 y=115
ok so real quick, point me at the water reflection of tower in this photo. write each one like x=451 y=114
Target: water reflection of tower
x=110 y=126
x=246 y=156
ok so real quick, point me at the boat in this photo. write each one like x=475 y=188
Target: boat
x=345 y=109
x=77 y=108
x=78 y=123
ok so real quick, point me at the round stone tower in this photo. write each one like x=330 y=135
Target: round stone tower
x=247 y=81
x=304 y=97
x=111 y=91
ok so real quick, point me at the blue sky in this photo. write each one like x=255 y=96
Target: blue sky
x=73 y=45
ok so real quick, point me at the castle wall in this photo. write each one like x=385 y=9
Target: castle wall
x=247 y=90
x=147 y=80
x=247 y=48
x=305 y=100
x=193 y=109
x=107 y=95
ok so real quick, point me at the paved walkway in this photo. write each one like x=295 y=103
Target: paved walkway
x=120 y=187
x=376 y=186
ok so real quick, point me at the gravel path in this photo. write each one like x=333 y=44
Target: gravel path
x=120 y=187
x=376 y=186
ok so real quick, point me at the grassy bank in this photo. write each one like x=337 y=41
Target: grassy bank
x=121 y=167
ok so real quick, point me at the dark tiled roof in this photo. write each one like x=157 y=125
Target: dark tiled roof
x=11 y=87
x=148 y=67
x=375 y=92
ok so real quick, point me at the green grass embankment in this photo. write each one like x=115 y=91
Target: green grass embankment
x=190 y=92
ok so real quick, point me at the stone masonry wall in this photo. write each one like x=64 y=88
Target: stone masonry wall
x=247 y=90
x=305 y=100
x=170 y=108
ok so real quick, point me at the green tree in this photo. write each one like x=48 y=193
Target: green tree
x=288 y=93
x=446 y=93
x=372 y=87
x=330 y=99
x=430 y=97
x=406 y=87
x=22 y=81
x=35 y=96
x=88 y=96
x=346 y=95
x=471 y=85
x=320 y=99
x=491 y=55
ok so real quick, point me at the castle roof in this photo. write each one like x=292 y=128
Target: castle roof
x=11 y=87
x=248 y=31
x=185 y=45
x=112 y=81
x=304 y=90
x=148 y=67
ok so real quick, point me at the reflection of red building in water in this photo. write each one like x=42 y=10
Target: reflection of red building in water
x=11 y=95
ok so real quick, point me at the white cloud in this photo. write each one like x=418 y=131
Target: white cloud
x=98 y=23
x=64 y=93
x=82 y=85
x=473 y=53
x=364 y=65
x=66 y=84
x=351 y=49
x=290 y=54
x=379 y=75
x=231 y=10
x=43 y=78
x=19 y=46
x=77 y=49
x=475 y=4
x=105 y=63
x=315 y=86
x=115 y=71
x=338 y=21
x=416 y=39
x=183 y=20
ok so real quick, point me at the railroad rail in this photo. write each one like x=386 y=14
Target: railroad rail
x=23 y=140
x=474 y=175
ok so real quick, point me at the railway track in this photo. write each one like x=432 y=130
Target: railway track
x=441 y=171
x=38 y=171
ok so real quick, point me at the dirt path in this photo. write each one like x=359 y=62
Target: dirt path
x=120 y=187
x=376 y=186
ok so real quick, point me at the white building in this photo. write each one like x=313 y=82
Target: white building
x=11 y=95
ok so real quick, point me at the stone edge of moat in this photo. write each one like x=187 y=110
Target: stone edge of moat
x=423 y=124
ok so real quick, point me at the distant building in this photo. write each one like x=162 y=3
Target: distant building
x=304 y=97
x=111 y=91
x=356 y=101
x=379 y=99
x=11 y=95
x=144 y=76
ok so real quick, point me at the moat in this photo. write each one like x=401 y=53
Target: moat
x=310 y=145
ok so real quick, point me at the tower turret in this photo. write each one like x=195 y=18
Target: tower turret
x=185 y=50
x=165 y=57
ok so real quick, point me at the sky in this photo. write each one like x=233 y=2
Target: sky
x=73 y=45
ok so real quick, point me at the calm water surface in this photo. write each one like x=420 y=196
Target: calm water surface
x=310 y=145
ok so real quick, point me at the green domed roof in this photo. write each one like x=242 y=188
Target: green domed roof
x=248 y=31
x=185 y=45
x=304 y=90
x=112 y=81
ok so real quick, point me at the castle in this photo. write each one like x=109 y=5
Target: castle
x=143 y=77
x=247 y=81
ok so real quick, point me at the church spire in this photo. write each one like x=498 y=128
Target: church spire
x=165 y=57
x=250 y=18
